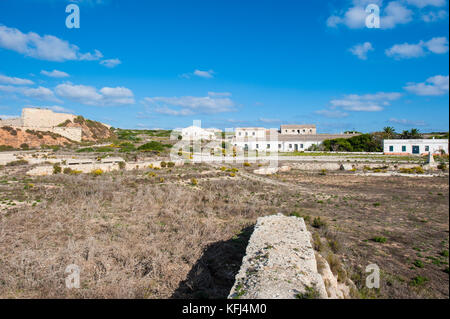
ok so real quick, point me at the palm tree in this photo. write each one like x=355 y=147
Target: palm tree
x=414 y=133
x=405 y=134
x=389 y=131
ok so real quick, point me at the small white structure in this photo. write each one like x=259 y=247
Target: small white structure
x=197 y=133
x=415 y=146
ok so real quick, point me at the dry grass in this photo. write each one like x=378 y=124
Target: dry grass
x=134 y=236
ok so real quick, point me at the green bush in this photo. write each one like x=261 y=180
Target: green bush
x=57 y=169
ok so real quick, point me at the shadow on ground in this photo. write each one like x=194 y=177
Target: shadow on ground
x=213 y=274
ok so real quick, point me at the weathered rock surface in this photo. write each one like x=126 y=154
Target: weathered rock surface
x=279 y=263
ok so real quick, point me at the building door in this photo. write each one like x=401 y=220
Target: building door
x=415 y=149
x=296 y=147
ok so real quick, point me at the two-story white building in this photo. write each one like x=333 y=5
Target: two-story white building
x=415 y=146
x=290 y=138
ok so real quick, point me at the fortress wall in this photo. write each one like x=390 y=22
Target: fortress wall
x=14 y=122
x=41 y=118
x=73 y=133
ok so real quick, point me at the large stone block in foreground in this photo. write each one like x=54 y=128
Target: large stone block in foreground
x=279 y=263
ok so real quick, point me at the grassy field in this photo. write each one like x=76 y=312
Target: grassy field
x=182 y=232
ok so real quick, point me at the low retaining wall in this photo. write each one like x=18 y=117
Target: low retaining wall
x=279 y=263
x=106 y=167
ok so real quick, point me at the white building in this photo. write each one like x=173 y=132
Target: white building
x=262 y=139
x=296 y=129
x=415 y=146
x=197 y=133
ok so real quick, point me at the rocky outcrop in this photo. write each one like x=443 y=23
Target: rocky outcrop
x=20 y=138
x=91 y=130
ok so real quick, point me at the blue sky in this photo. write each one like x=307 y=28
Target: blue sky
x=163 y=64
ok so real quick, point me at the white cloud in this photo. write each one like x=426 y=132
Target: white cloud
x=40 y=93
x=191 y=104
x=424 y=3
x=47 y=47
x=366 y=102
x=434 y=16
x=361 y=50
x=14 y=81
x=406 y=51
x=437 y=45
x=435 y=85
x=90 y=96
x=406 y=122
x=214 y=94
x=395 y=13
x=168 y=111
x=332 y=113
x=55 y=74
x=355 y=17
x=269 y=120
x=111 y=63
x=204 y=74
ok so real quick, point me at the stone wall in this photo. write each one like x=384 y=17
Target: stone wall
x=42 y=118
x=280 y=262
x=14 y=122
x=73 y=133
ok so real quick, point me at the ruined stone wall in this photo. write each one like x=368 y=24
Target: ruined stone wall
x=73 y=133
x=15 y=122
x=41 y=118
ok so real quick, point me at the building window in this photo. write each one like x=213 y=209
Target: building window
x=239 y=133
x=301 y=145
x=403 y=148
x=246 y=133
x=253 y=133
x=310 y=130
x=290 y=145
x=391 y=148
x=427 y=148
x=304 y=130
x=279 y=145
x=268 y=145
x=257 y=145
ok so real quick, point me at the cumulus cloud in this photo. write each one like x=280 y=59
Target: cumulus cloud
x=433 y=86
x=406 y=51
x=89 y=95
x=393 y=14
x=219 y=94
x=40 y=93
x=269 y=120
x=335 y=114
x=406 y=122
x=433 y=16
x=361 y=50
x=204 y=74
x=438 y=45
x=190 y=104
x=14 y=81
x=424 y=3
x=365 y=103
x=46 y=47
x=55 y=74
x=111 y=63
